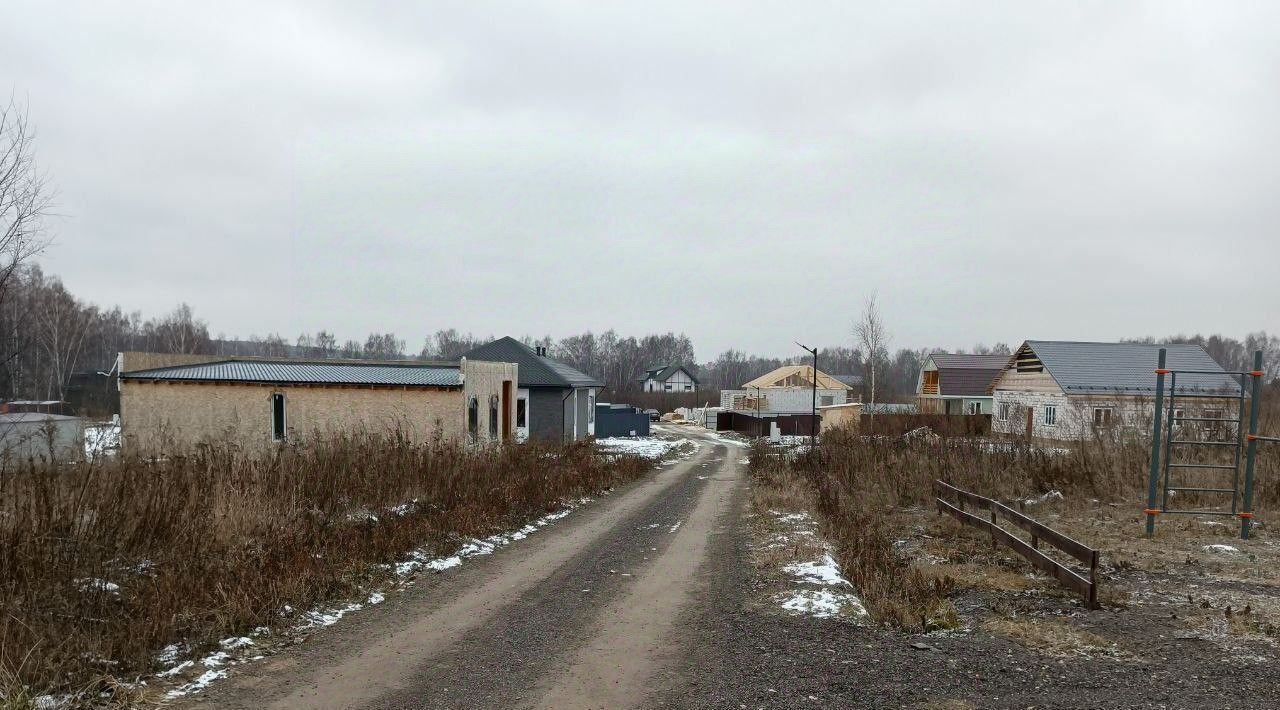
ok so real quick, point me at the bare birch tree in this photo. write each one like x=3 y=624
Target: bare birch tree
x=873 y=337
x=25 y=200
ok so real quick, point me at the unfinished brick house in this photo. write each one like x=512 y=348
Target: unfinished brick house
x=256 y=403
x=1071 y=390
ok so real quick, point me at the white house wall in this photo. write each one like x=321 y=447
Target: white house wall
x=786 y=399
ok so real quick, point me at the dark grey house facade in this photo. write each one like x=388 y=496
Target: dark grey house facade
x=553 y=400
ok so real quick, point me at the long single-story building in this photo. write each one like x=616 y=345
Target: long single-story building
x=554 y=401
x=1068 y=390
x=259 y=402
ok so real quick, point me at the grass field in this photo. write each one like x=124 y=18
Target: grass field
x=104 y=563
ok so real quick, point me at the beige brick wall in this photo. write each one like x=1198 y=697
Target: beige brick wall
x=172 y=417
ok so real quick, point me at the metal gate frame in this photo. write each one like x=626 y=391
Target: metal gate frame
x=1246 y=445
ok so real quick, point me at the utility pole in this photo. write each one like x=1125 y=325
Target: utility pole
x=813 y=422
x=759 y=421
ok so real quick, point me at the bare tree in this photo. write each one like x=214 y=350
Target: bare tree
x=25 y=200
x=873 y=337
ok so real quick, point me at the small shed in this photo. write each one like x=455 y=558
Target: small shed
x=32 y=435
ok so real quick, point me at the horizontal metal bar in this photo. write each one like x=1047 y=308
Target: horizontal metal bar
x=1204 y=443
x=1203 y=465
x=1275 y=439
x=1198 y=512
x=1206 y=419
x=1209 y=372
x=1203 y=490
x=1198 y=395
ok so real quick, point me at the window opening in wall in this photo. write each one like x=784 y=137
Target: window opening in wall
x=1102 y=416
x=1050 y=415
x=473 y=418
x=975 y=407
x=521 y=412
x=827 y=400
x=493 y=416
x=277 y=417
x=1004 y=411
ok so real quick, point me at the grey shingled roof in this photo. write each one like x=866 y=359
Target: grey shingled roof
x=661 y=374
x=1127 y=368
x=535 y=370
x=306 y=372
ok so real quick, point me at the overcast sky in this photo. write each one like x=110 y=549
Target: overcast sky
x=743 y=172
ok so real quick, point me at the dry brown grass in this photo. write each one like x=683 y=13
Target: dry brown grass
x=873 y=492
x=215 y=544
x=1052 y=637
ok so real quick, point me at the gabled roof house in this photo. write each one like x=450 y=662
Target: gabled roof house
x=786 y=390
x=952 y=383
x=553 y=400
x=669 y=378
x=1066 y=390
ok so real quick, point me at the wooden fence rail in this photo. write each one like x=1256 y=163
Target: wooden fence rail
x=952 y=501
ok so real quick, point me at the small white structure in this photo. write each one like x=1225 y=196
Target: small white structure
x=669 y=378
x=47 y=437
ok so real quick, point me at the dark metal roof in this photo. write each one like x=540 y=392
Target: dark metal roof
x=970 y=362
x=535 y=370
x=304 y=372
x=1128 y=368
x=664 y=372
x=967 y=375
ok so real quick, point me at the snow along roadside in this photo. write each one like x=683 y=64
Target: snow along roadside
x=818 y=588
x=214 y=666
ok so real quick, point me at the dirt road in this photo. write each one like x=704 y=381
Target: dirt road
x=580 y=617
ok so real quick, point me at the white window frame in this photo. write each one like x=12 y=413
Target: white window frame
x=1004 y=411
x=1050 y=415
x=975 y=408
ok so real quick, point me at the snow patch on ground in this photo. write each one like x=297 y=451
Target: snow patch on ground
x=1045 y=498
x=822 y=590
x=97 y=585
x=644 y=447
x=820 y=603
x=1222 y=549
x=824 y=571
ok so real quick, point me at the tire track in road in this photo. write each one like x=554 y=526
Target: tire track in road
x=635 y=634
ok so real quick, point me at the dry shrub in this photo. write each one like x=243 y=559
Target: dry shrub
x=104 y=563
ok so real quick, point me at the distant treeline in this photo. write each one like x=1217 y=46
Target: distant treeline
x=48 y=333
